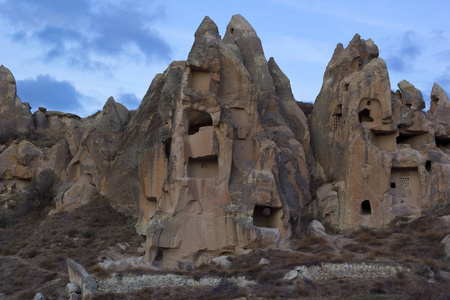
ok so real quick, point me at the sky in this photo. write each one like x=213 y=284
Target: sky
x=72 y=55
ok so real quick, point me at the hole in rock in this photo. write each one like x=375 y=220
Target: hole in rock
x=157 y=261
x=197 y=119
x=428 y=165
x=167 y=144
x=265 y=216
x=366 y=208
x=392 y=185
x=364 y=116
x=442 y=143
x=346 y=87
x=415 y=140
x=203 y=167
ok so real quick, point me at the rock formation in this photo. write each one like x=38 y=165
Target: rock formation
x=377 y=150
x=228 y=169
x=219 y=157
x=15 y=116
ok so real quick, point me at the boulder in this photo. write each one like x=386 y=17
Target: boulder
x=73 y=287
x=446 y=242
x=315 y=228
x=39 y=296
x=20 y=161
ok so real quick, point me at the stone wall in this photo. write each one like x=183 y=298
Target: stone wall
x=79 y=275
x=326 y=271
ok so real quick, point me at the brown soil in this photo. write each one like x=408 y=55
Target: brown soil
x=34 y=248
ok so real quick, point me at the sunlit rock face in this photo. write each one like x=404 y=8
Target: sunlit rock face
x=379 y=154
x=229 y=167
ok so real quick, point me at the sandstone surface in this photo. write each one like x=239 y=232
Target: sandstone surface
x=230 y=165
x=380 y=154
x=219 y=158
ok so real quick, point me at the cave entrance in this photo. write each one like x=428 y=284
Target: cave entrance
x=203 y=167
x=265 y=216
x=364 y=116
x=366 y=209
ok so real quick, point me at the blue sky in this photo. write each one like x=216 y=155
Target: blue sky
x=71 y=55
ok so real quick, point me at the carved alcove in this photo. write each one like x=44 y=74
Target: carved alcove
x=203 y=167
x=369 y=111
x=337 y=115
x=415 y=139
x=200 y=80
x=405 y=185
x=265 y=216
x=195 y=119
x=366 y=208
x=385 y=141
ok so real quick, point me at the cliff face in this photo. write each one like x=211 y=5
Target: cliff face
x=380 y=154
x=228 y=172
x=219 y=157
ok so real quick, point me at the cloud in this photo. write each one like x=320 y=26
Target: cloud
x=129 y=100
x=444 y=80
x=406 y=54
x=86 y=32
x=46 y=91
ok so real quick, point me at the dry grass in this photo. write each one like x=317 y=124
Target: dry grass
x=45 y=243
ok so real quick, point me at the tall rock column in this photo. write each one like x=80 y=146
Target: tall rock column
x=232 y=174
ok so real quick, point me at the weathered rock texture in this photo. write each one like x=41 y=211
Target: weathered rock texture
x=378 y=154
x=219 y=157
x=15 y=116
x=228 y=168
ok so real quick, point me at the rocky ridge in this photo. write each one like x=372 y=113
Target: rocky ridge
x=219 y=158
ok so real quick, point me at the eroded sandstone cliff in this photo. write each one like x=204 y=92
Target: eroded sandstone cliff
x=379 y=154
x=219 y=157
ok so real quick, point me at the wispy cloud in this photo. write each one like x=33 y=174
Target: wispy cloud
x=406 y=54
x=46 y=91
x=129 y=100
x=83 y=32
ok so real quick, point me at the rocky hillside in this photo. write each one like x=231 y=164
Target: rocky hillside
x=220 y=159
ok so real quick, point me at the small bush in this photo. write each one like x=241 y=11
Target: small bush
x=72 y=232
x=32 y=253
x=89 y=234
x=3 y=221
x=42 y=190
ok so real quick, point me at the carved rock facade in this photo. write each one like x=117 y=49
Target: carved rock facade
x=229 y=167
x=219 y=157
x=380 y=155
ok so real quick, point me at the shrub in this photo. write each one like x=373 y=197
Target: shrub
x=3 y=221
x=89 y=234
x=41 y=191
